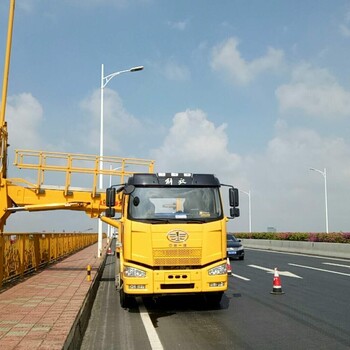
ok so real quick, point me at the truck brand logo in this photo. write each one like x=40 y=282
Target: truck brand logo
x=177 y=236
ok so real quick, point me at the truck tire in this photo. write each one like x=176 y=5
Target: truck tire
x=124 y=298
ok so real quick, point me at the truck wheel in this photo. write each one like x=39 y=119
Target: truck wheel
x=124 y=299
x=214 y=298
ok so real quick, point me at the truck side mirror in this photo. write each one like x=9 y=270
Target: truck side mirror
x=234 y=202
x=110 y=202
x=234 y=212
x=110 y=213
x=110 y=197
x=234 y=197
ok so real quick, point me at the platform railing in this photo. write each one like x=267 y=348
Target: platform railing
x=45 y=164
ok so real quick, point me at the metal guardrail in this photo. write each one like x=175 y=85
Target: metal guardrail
x=23 y=253
x=336 y=250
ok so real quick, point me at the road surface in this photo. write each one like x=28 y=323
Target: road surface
x=313 y=312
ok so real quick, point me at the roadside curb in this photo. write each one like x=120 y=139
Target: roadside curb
x=76 y=334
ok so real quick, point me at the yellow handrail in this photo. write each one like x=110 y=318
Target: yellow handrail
x=83 y=164
x=22 y=253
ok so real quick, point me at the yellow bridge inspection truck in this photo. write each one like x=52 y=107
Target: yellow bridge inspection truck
x=172 y=235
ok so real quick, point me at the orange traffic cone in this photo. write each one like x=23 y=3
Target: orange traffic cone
x=277 y=287
x=109 y=251
x=88 y=271
x=228 y=267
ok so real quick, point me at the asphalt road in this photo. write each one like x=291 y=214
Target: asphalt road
x=313 y=312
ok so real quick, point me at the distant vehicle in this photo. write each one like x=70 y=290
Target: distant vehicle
x=235 y=249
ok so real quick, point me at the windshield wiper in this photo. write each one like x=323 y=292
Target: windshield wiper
x=172 y=220
x=155 y=220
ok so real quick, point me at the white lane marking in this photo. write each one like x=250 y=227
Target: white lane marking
x=241 y=277
x=323 y=270
x=340 y=265
x=151 y=332
x=281 y=273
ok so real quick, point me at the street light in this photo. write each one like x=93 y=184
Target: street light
x=104 y=81
x=324 y=174
x=249 y=209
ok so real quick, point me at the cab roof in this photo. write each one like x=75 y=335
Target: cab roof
x=174 y=180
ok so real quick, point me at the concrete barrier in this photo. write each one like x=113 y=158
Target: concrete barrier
x=336 y=250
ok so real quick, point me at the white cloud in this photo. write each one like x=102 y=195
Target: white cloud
x=344 y=30
x=179 y=25
x=195 y=144
x=286 y=194
x=174 y=71
x=119 y=124
x=24 y=115
x=344 y=27
x=314 y=92
x=227 y=58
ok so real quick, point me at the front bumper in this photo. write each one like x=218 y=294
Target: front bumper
x=175 y=281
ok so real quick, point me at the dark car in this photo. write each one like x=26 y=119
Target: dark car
x=235 y=248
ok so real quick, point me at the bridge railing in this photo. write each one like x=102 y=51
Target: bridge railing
x=23 y=253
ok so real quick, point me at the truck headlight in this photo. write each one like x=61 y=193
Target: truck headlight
x=133 y=272
x=218 y=270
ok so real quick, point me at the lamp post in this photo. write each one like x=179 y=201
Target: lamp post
x=249 y=209
x=324 y=174
x=104 y=81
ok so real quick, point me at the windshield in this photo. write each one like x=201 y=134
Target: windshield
x=231 y=238
x=176 y=203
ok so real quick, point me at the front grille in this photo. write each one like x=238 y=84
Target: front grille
x=177 y=286
x=177 y=256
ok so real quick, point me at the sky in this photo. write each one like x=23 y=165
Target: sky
x=255 y=92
